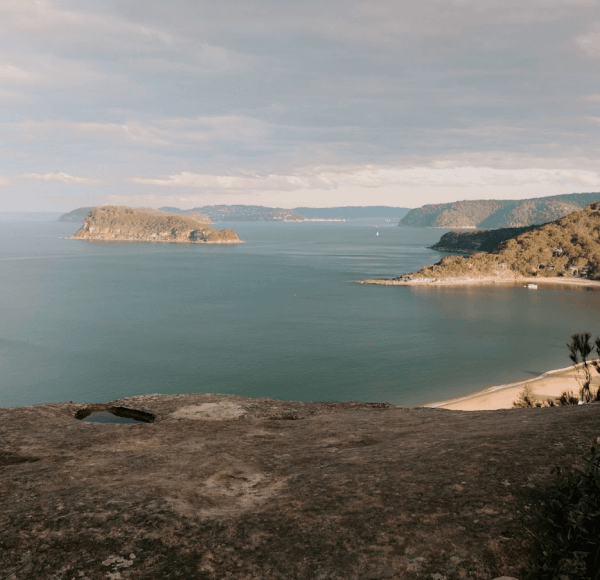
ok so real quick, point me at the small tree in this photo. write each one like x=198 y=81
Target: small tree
x=567 y=398
x=526 y=398
x=580 y=348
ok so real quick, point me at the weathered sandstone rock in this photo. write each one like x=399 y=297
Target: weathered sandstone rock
x=230 y=487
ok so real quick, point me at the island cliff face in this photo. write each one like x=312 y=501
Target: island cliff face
x=566 y=247
x=113 y=223
x=488 y=214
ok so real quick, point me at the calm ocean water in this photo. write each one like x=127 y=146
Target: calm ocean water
x=275 y=317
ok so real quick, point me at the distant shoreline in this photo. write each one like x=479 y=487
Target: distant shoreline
x=190 y=242
x=558 y=280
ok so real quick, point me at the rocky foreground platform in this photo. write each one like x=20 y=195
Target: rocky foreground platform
x=229 y=487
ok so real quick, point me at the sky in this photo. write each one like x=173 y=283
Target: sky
x=296 y=103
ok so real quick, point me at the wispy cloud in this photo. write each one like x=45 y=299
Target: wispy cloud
x=12 y=96
x=13 y=74
x=57 y=176
x=590 y=42
x=163 y=132
x=370 y=177
x=46 y=20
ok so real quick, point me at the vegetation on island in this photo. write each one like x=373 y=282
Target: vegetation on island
x=488 y=214
x=569 y=246
x=478 y=241
x=77 y=215
x=191 y=214
x=114 y=223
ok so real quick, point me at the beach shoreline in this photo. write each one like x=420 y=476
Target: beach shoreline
x=557 y=280
x=548 y=385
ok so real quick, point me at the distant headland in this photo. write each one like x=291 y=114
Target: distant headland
x=259 y=213
x=117 y=223
x=565 y=250
x=497 y=213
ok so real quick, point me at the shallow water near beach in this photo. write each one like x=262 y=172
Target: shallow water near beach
x=277 y=316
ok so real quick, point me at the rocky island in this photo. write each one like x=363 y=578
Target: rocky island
x=116 y=223
x=567 y=249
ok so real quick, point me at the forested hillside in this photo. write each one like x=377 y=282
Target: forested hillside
x=566 y=247
x=492 y=214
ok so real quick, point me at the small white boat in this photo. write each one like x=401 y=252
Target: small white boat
x=377 y=233
x=532 y=286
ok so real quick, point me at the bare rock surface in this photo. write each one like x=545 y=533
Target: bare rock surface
x=224 y=486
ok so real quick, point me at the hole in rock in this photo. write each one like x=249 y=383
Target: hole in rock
x=11 y=458
x=114 y=415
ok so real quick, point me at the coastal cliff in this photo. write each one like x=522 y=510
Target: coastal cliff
x=492 y=214
x=115 y=223
x=568 y=247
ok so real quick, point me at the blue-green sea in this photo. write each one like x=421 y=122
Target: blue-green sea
x=277 y=316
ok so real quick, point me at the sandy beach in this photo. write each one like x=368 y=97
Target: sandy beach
x=556 y=280
x=549 y=385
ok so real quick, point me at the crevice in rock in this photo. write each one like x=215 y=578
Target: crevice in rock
x=11 y=458
x=111 y=414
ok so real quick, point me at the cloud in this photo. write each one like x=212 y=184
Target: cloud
x=204 y=58
x=590 y=43
x=370 y=177
x=13 y=74
x=265 y=98
x=45 y=20
x=61 y=177
x=12 y=96
x=188 y=179
x=163 y=132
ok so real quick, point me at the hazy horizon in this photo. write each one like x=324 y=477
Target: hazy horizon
x=282 y=207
